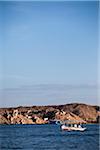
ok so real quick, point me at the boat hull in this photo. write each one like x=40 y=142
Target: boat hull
x=63 y=127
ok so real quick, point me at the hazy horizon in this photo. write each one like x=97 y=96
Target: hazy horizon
x=48 y=53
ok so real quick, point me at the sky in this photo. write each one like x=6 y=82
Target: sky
x=48 y=53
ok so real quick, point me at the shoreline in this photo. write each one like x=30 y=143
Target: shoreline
x=75 y=112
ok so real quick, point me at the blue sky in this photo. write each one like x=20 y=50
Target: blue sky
x=48 y=44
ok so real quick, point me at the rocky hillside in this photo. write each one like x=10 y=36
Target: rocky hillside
x=77 y=113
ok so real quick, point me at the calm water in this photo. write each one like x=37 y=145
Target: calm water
x=47 y=137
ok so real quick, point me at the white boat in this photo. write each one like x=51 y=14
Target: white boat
x=73 y=128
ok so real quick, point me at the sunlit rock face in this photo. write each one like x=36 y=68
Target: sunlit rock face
x=3 y=120
x=20 y=119
x=76 y=113
x=69 y=117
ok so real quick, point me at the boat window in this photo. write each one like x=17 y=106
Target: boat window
x=79 y=126
x=75 y=125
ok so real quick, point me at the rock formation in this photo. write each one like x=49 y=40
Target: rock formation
x=69 y=117
x=78 y=113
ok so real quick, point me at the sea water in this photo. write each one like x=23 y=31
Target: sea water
x=47 y=137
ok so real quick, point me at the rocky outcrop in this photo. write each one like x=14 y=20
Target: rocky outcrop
x=3 y=120
x=88 y=113
x=78 y=113
x=20 y=119
x=63 y=116
x=98 y=117
x=40 y=121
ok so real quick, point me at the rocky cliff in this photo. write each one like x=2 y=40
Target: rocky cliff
x=78 y=113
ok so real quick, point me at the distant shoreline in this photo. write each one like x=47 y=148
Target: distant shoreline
x=76 y=112
x=48 y=105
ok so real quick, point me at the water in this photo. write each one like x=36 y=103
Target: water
x=47 y=137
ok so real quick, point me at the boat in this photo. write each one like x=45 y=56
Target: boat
x=57 y=122
x=73 y=127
